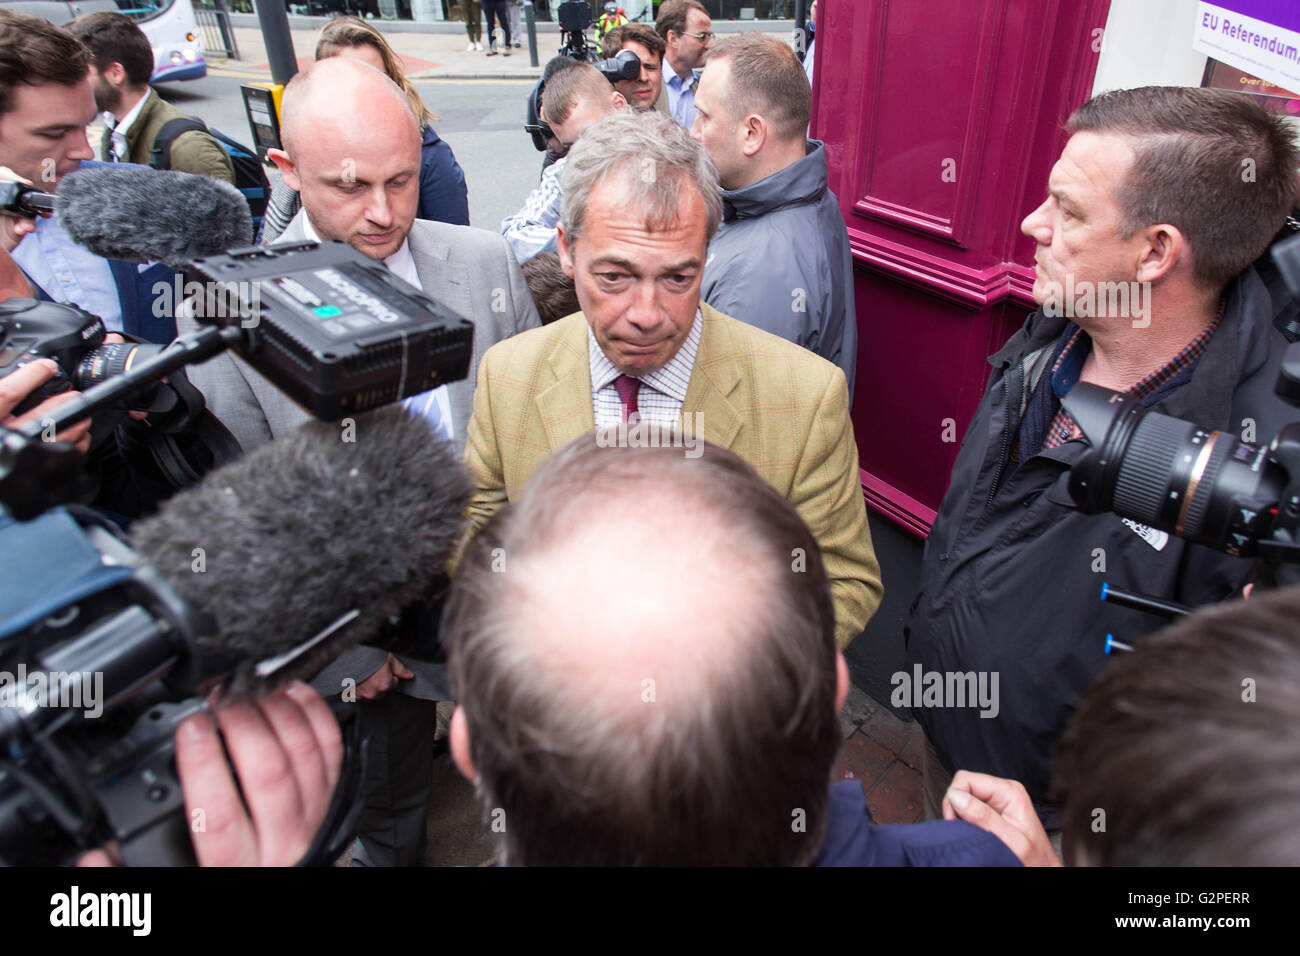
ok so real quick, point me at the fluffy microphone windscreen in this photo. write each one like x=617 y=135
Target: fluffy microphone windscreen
x=150 y=215
x=280 y=544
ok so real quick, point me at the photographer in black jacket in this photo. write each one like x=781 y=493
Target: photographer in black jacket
x=1160 y=203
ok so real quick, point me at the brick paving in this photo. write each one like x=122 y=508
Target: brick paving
x=884 y=753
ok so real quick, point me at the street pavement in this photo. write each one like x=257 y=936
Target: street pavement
x=439 y=54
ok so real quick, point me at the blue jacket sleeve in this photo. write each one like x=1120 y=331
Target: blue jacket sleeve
x=444 y=196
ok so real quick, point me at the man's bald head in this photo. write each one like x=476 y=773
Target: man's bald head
x=339 y=89
x=643 y=651
x=352 y=150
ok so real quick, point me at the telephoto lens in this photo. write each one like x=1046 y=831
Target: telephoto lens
x=1203 y=486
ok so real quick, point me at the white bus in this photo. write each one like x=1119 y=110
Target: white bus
x=170 y=25
x=173 y=33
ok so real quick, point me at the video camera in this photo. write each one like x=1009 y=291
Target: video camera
x=1204 y=486
x=340 y=334
x=337 y=332
x=89 y=754
x=575 y=19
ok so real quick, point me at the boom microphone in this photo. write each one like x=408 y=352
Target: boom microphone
x=151 y=215
x=287 y=541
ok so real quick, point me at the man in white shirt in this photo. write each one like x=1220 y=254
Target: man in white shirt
x=576 y=96
x=122 y=63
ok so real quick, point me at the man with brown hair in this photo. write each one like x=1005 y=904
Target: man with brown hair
x=644 y=92
x=575 y=96
x=552 y=290
x=649 y=680
x=121 y=64
x=781 y=258
x=1147 y=280
x=687 y=31
x=46 y=102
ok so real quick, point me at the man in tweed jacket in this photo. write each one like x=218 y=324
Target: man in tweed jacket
x=641 y=202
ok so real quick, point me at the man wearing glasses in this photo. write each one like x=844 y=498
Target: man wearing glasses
x=687 y=30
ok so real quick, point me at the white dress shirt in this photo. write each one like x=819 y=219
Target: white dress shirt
x=120 y=128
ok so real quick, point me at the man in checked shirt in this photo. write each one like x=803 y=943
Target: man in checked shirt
x=641 y=202
x=1168 y=195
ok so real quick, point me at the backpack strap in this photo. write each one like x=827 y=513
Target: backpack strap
x=160 y=157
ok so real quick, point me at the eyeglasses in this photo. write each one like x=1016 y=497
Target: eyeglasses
x=706 y=37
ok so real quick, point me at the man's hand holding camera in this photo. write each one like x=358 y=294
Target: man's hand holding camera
x=287 y=751
x=16 y=387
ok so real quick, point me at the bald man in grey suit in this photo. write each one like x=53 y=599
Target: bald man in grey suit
x=352 y=150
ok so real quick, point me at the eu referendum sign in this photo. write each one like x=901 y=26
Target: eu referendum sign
x=1261 y=37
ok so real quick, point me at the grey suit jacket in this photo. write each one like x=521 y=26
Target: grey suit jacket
x=471 y=271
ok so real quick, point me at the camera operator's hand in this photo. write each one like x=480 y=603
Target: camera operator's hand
x=383 y=680
x=287 y=751
x=18 y=385
x=1003 y=808
x=13 y=227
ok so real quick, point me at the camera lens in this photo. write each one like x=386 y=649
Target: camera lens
x=1203 y=486
x=103 y=363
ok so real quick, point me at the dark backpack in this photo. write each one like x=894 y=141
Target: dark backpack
x=250 y=177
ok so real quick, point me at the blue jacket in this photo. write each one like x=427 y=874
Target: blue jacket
x=443 y=194
x=853 y=840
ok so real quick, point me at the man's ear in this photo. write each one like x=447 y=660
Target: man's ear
x=458 y=734
x=619 y=100
x=1164 y=247
x=753 y=133
x=115 y=74
x=287 y=168
x=841 y=681
x=564 y=251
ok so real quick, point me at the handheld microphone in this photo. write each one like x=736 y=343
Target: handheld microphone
x=150 y=215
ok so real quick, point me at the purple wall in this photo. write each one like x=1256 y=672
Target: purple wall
x=942 y=119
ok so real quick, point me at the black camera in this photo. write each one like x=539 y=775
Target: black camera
x=72 y=337
x=1207 y=487
x=96 y=674
x=575 y=18
x=25 y=200
x=1204 y=486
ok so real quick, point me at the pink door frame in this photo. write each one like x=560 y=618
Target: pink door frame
x=940 y=131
